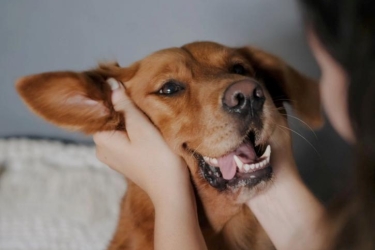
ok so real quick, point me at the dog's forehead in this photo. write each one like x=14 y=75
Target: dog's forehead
x=209 y=52
x=189 y=56
x=165 y=57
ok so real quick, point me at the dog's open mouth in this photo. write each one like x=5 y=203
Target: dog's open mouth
x=247 y=165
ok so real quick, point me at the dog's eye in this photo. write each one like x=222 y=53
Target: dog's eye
x=238 y=69
x=170 y=88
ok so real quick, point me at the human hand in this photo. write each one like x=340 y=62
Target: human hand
x=140 y=153
x=286 y=209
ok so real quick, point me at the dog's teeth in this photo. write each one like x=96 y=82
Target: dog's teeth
x=247 y=167
x=211 y=161
x=239 y=163
x=267 y=153
x=214 y=161
x=252 y=166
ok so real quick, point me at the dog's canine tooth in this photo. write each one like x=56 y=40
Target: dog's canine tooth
x=267 y=153
x=206 y=158
x=239 y=163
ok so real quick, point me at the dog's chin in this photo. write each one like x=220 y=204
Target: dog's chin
x=244 y=171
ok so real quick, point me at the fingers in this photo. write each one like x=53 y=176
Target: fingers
x=134 y=118
x=120 y=99
x=109 y=142
x=107 y=138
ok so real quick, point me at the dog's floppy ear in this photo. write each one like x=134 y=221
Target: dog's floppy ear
x=285 y=84
x=75 y=101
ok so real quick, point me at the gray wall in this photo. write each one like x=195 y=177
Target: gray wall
x=48 y=35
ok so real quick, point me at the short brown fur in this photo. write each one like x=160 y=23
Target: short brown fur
x=193 y=121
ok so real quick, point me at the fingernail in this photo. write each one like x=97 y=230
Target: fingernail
x=113 y=83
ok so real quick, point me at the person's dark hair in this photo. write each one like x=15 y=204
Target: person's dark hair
x=346 y=28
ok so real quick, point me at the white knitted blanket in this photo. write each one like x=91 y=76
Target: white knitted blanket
x=55 y=196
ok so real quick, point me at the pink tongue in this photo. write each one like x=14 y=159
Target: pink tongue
x=227 y=164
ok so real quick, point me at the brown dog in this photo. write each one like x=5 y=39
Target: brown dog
x=217 y=107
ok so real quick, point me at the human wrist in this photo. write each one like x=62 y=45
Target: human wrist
x=178 y=208
x=288 y=211
x=175 y=200
x=175 y=188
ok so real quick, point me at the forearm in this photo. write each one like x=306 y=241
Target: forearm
x=290 y=214
x=176 y=222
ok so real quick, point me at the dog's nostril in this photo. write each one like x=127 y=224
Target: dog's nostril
x=258 y=99
x=258 y=93
x=240 y=100
x=243 y=96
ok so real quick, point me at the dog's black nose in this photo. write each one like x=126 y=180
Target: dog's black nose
x=244 y=97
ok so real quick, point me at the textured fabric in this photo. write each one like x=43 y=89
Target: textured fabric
x=56 y=196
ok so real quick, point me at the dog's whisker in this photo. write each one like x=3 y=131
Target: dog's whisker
x=298 y=119
x=295 y=132
x=196 y=149
x=277 y=109
x=285 y=100
x=307 y=125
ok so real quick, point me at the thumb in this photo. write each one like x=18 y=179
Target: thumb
x=122 y=103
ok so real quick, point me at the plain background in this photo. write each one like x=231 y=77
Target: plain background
x=47 y=35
